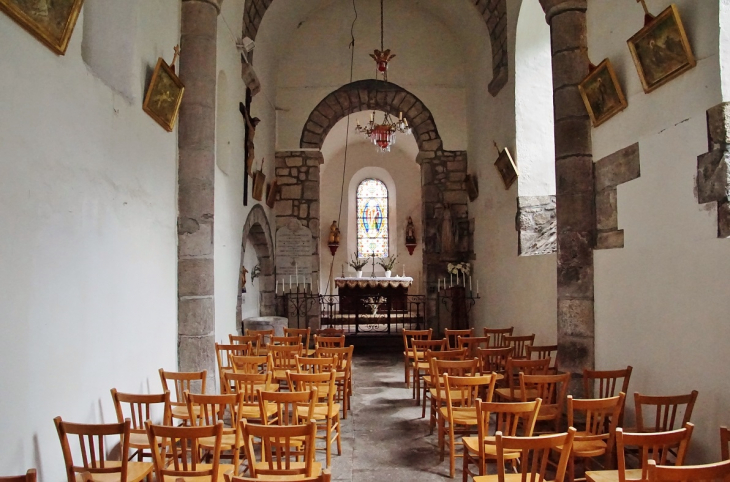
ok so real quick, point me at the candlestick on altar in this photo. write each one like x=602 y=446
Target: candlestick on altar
x=457 y=278
x=477 y=287
x=451 y=283
x=438 y=285
x=289 y=282
x=469 y=283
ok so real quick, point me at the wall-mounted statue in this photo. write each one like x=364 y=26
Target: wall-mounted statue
x=243 y=278
x=447 y=231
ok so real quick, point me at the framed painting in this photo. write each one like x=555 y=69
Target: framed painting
x=472 y=188
x=661 y=50
x=507 y=168
x=50 y=21
x=164 y=96
x=273 y=189
x=602 y=93
x=259 y=181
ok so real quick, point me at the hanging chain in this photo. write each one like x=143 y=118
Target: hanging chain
x=381 y=26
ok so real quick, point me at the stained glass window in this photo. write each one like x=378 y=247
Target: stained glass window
x=372 y=219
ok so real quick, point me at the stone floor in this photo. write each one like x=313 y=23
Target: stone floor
x=384 y=437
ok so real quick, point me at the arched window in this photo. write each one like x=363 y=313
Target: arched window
x=372 y=219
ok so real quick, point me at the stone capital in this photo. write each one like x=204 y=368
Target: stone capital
x=216 y=3
x=556 y=7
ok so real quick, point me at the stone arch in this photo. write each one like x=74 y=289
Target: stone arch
x=258 y=231
x=494 y=13
x=371 y=95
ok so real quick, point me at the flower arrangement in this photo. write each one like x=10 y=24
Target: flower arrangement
x=462 y=268
x=388 y=263
x=357 y=264
x=374 y=303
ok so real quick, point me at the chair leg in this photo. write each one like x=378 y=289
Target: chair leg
x=328 y=442
x=423 y=402
x=452 y=451
x=339 y=434
x=442 y=429
x=405 y=365
x=465 y=467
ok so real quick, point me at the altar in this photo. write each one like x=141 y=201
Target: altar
x=389 y=293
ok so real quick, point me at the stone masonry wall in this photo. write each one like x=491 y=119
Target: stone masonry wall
x=297 y=173
x=713 y=168
x=536 y=224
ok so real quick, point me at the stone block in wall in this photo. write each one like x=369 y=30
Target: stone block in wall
x=195 y=315
x=622 y=166
x=536 y=225
x=195 y=277
x=293 y=191
x=713 y=168
x=610 y=239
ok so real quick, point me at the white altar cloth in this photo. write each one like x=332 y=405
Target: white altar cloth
x=378 y=281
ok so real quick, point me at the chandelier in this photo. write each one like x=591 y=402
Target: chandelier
x=383 y=134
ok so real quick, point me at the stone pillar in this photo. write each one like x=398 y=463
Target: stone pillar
x=196 y=174
x=575 y=188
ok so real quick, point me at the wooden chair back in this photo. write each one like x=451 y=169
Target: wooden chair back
x=264 y=336
x=534 y=454
x=329 y=341
x=420 y=347
x=325 y=476
x=93 y=453
x=600 y=417
x=211 y=409
x=139 y=408
x=250 y=364
x=494 y=359
x=248 y=384
x=343 y=355
x=254 y=340
x=690 y=473
x=463 y=392
x=305 y=333
x=330 y=332
x=178 y=456
x=509 y=417
x=409 y=335
x=283 y=357
x=279 y=448
x=452 y=367
x=316 y=365
x=496 y=335
x=519 y=343
x=223 y=355
x=444 y=355
x=193 y=382
x=606 y=382
x=515 y=366
x=293 y=340
x=552 y=389
x=29 y=476
x=287 y=408
x=471 y=343
x=544 y=351
x=656 y=446
x=322 y=383
x=725 y=443
x=452 y=336
x=670 y=412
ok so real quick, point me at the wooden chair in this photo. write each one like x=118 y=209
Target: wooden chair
x=496 y=335
x=666 y=409
x=509 y=417
x=278 y=456
x=326 y=411
x=600 y=418
x=212 y=409
x=329 y=341
x=223 y=355
x=605 y=383
x=264 y=339
x=93 y=452
x=725 y=443
x=29 y=476
x=428 y=380
x=552 y=389
x=248 y=386
x=513 y=367
x=344 y=373
x=494 y=360
x=181 y=382
x=294 y=340
x=534 y=453
x=689 y=473
x=316 y=365
x=519 y=343
x=420 y=367
x=283 y=359
x=655 y=446
x=287 y=408
x=544 y=351
x=460 y=410
x=452 y=337
x=254 y=340
x=140 y=408
x=471 y=343
x=182 y=446
x=330 y=332
x=305 y=333
x=408 y=361
x=326 y=476
x=250 y=364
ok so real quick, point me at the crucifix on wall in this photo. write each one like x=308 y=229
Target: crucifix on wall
x=250 y=133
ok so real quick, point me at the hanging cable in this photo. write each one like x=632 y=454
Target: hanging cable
x=347 y=132
x=381 y=26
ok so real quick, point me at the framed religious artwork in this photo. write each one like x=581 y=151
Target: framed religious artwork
x=273 y=189
x=164 y=95
x=472 y=188
x=507 y=168
x=50 y=21
x=661 y=50
x=602 y=93
x=259 y=181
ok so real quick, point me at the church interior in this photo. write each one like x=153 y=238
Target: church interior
x=178 y=171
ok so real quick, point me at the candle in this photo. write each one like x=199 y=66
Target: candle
x=457 y=278
x=289 y=282
x=477 y=287
x=372 y=117
x=470 y=283
x=451 y=283
x=438 y=285
x=296 y=271
x=276 y=290
x=400 y=115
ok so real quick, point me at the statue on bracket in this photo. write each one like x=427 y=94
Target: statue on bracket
x=243 y=278
x=447 y=231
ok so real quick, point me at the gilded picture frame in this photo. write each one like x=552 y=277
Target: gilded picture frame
x=259 y=181
x=271 y=192
x=507 y=168
x=52 y=23
x=661 y=50
x=164 y=95
x=602 y=93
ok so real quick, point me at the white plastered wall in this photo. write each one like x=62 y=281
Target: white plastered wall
x=401 y=174
x=515 y=291
x=88 y=254
x=661 y=303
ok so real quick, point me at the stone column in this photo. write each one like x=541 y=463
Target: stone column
x=575 y=188
x=196 y=174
